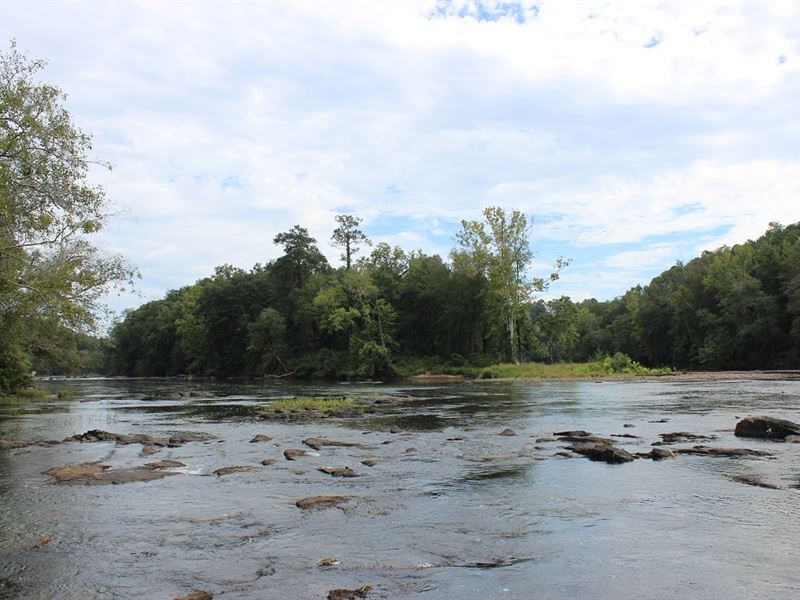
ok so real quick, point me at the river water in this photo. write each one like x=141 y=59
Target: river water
x=486 y=516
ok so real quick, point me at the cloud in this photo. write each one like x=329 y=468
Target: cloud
x=625 y=131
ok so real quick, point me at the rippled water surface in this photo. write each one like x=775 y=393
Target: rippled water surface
x=486 y=516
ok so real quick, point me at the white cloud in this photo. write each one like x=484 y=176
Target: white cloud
x=230 y=123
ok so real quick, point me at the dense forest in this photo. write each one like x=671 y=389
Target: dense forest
x=734 y=308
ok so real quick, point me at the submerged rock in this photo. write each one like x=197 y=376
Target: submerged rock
x=149 y=451
x=603 y=452
x=338 y=471
x=234 y=469
x=754 y=480
x=766 y=428
x=317 y=502
x=100 y=474
x=729 y=452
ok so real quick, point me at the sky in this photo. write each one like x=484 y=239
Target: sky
x=633 y=136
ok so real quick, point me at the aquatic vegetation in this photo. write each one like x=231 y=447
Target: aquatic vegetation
x=311 y=404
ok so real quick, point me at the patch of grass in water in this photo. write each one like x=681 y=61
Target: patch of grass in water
x=25 y=394
x=307 y=403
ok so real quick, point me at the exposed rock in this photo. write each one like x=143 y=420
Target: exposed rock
x=294 y=453
x=628 y=425
x=229 y=470
x=586 y=439
x=395 y=430
x=660 y=421
x=178 y=439
x=730 y=452
x=343 y=594
x=100 y=474
x=164 y=464
x=603 y=452
x=98 y=435
x=508 y=432
x=792 y=439
x=766 y=428
x=543 y=440
x=317 y=502
x=369 y=462
x=149 y=450
x=339 y=471
x=564 y=454
x=625 y=435
x=319 y=443
x=13 y=444
x=411 y=450
x=268 y=461
x=572 y=433
x=677 y=437
x=197 y=596
x=261 y=438
x=754 y=480
x=455 y=439
x=656 y=454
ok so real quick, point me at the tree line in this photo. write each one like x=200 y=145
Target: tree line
x=734 y=308
x=298 y=315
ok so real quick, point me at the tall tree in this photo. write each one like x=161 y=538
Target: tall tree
x=348 y=237
x=49 y=270
x=499 y=247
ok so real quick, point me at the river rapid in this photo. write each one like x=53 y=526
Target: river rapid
x=450 y=509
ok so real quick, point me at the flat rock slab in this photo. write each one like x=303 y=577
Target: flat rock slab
x=164 y=464
x=338 y=471
x=100 y=474
x=317 y=502
x=586 y=439
x=602 y=452
x=677 y=437
x=319 y=443
x=728 y=452
x=98 y=435
x=766 y=428
x=13 y=444
x=234 y=469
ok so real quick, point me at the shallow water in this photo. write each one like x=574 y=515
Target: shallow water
x=441 y=522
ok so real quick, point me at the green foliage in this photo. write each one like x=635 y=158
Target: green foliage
x=306 y=403
x=394 y=313
x=51 y=276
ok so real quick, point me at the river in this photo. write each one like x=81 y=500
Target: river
x=483 y=516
